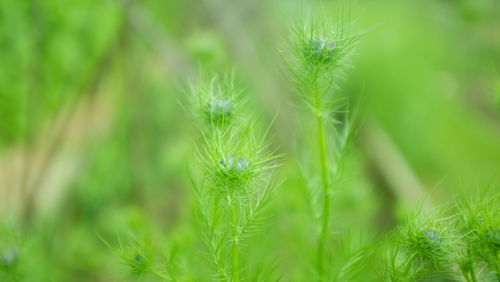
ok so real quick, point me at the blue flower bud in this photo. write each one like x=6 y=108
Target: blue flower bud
x=219 y=110
x=235 y=164
x=320 y=50
x=493 y=236
x=138 y=259
x=10 y=256
x=431 y=238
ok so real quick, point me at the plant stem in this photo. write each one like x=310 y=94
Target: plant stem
x=161 y=275
x=324 y=178
x=472 y=272
x=471 y=268
x=467 y=275
x=497 y=269
x=234 y=231
x=216 y=214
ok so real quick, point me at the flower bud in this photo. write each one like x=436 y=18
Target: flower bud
x=218 y=110
x=234 y=164
x=493 y=236
x=10 y=256
x=430 y=239
x=320 y=50
x=138 y=259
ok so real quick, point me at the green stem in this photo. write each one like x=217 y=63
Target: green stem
x=472 y=268
x=215 y=214
x=161 y=275
x=326 y=196
x=472 y=272
x=234 y=248
x=466 y=276
x=497 y=269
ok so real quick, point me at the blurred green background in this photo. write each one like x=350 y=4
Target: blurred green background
x=94 y=138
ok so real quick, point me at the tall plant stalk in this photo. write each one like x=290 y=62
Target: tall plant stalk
x=326 y=200
x=325 y=186
x=472 y=269
x=319 y=56
x=235 y=177
x=234 y=230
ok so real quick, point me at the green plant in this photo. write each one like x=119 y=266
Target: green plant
x=140 y=257
x=92 y=139
x=479 y=221
x=425 y=246
x=11 y=253
x=318 y=55
x=216 y=103
x=233 y=182
x=430 y=245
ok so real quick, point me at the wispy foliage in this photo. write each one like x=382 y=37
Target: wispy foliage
x=318 y=54
x=431 y=245
x=232 y=182
x=480 y=222
x=139 y=256
x=428 y=240
x=216 y=103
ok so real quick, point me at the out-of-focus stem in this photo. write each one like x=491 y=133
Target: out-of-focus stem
x=234 y=248
x=161 y=275
x=216 y=214
x=472 y=273
x=497 y=269
x=471 y=268
x=325 y=216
